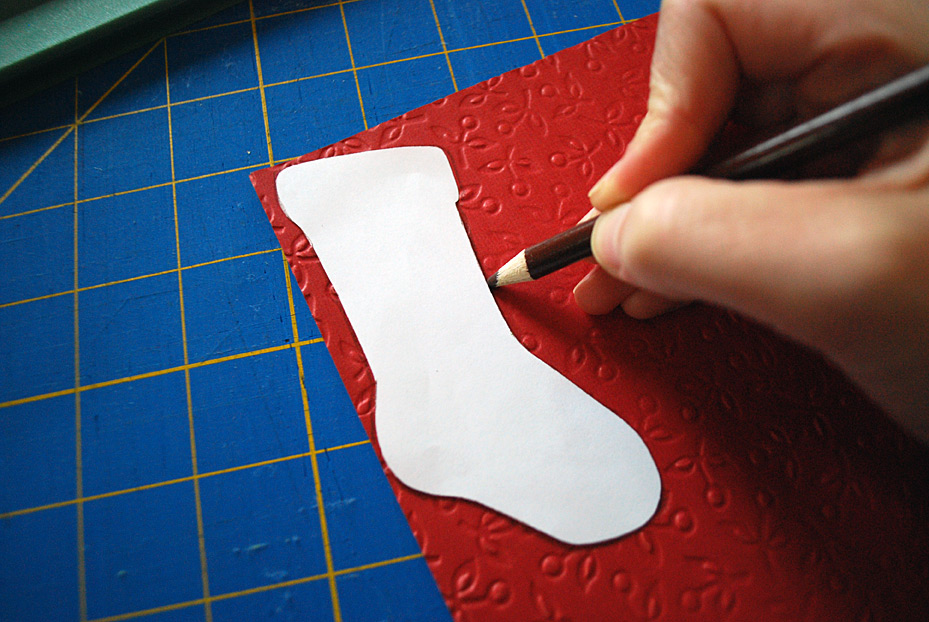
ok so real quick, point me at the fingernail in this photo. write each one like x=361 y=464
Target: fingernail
x=602 y=196
x=582 y=283
x=598 y=193
x=605 y=241
x=591 y=214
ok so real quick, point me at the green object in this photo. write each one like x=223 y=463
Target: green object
x=45 y=41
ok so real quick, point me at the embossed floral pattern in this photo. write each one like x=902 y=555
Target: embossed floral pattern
x=786 y=495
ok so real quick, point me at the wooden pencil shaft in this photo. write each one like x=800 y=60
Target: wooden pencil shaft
x=898 y=101
x=560 y=251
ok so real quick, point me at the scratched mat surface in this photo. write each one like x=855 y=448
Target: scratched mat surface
x=175 y=442
x=785 y=494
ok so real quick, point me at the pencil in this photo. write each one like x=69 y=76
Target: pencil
x=894 y=103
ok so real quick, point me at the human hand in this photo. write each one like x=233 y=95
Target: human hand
x=840 y=265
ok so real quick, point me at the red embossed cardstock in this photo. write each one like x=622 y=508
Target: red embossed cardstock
x=785 y=494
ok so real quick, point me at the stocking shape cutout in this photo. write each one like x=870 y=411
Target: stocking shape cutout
x=462 y=409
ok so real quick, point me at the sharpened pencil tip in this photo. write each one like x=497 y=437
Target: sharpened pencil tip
x=513 y=271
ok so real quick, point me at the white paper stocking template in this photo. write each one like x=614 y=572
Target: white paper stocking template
x=462 y=408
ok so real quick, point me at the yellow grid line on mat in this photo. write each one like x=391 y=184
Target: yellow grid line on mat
x=46 y=130
x=136 y=278
x=448 y=61
x=261 y=81
x=180 y=102
x=618 y=12
x=260 y=18
x=207 y=599
x=259 y=589
x=35 y=164
x=77 y=121
x=201 y=539
x=158 y=372
x=177 y=480
x=354 y=70
x=78 y=450
x=141 y=189
x=314 y=462
x=535 y=35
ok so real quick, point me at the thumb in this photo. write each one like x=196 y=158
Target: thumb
x=838 y=265
x=793 y=255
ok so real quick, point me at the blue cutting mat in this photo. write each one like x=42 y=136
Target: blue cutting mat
x=175 y=443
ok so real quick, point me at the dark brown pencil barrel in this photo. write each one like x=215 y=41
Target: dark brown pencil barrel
x=560 y=251
x=900 y=100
